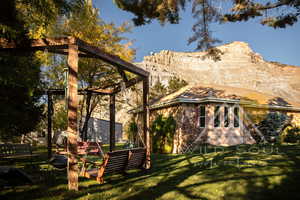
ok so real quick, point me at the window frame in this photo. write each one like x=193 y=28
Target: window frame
x=226 y=116
x=217 y=116
x=201 y=117
x=236 y=119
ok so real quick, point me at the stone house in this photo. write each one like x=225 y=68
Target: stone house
x=217 y=115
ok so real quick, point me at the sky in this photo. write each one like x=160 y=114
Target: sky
x=280 y=45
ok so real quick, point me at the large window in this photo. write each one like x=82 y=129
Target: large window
x=202 y=116
x=217 y=116
x=236 y=117
x=226 y=116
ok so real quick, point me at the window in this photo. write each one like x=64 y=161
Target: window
x=236 y=117
x=217 y=116
x=202 y=116
x=226 y=116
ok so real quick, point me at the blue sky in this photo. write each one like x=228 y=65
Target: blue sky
x=281 y=45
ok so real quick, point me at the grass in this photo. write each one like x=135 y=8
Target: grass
x=242 y=172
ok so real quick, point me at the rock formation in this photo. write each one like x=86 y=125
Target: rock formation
x=239 y=67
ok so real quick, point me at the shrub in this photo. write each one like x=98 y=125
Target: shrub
x=162 y=131
x=273 y=124
x=132 y=131
x=292 y=135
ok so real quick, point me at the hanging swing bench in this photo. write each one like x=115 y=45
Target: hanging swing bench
x=116 y=162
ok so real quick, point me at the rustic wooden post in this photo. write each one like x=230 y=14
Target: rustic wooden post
x=49 y=125
x=72 y=117
x=146 y=113
x=112 y=124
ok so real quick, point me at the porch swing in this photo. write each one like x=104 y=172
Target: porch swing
x=115 y=161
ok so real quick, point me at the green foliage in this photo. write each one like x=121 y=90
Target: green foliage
x=245 y=10
x=21 y=20
x=273 y=124
x=175 y=84
x=146 y=10
x=19 y=101
x=157 y=90
x=85 y=23
x=276 y=14
x=60 y=119
x=162 y=133
x=292 y=135
x=132 y=131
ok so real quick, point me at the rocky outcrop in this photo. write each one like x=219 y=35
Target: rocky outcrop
x=239 y=67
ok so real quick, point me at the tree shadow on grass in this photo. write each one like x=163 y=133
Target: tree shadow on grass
x=286 y=186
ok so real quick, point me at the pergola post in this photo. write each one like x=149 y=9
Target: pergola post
x=49 y=125
x=112 y=124
x=146 y=113
x=72 y=117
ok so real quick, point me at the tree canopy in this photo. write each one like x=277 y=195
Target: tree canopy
x=273 y=13
x=21 y=20
x=85 y=23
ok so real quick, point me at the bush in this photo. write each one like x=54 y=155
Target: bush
x=273 y=124
x=292 y=135
x=162 y=131
x=132 y=131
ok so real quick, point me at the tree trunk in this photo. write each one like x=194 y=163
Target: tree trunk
x=88 y=114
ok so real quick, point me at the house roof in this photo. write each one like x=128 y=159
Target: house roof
x=225 y=94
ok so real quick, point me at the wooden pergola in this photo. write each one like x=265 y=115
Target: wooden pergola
x=75 y=48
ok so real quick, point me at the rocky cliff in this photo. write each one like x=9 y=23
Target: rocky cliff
x=239 y=67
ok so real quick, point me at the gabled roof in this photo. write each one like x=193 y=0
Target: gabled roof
x=224 y=94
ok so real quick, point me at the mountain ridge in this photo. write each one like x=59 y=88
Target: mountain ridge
x=239 y=66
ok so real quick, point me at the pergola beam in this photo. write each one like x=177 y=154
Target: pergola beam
x=56 y=44
x=128 y=84
x=38 y=44
x=111 y=59
x=80 y=91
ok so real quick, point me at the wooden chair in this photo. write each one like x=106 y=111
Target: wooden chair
x=115 y=162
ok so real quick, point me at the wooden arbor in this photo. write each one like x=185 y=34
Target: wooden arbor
x=75 y=48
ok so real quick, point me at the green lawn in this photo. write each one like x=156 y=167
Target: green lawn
x=249 y=172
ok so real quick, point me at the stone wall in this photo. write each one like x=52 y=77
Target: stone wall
x=189 y=135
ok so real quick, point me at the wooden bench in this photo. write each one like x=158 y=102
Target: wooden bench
x=15 y=150
x=115 y=162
